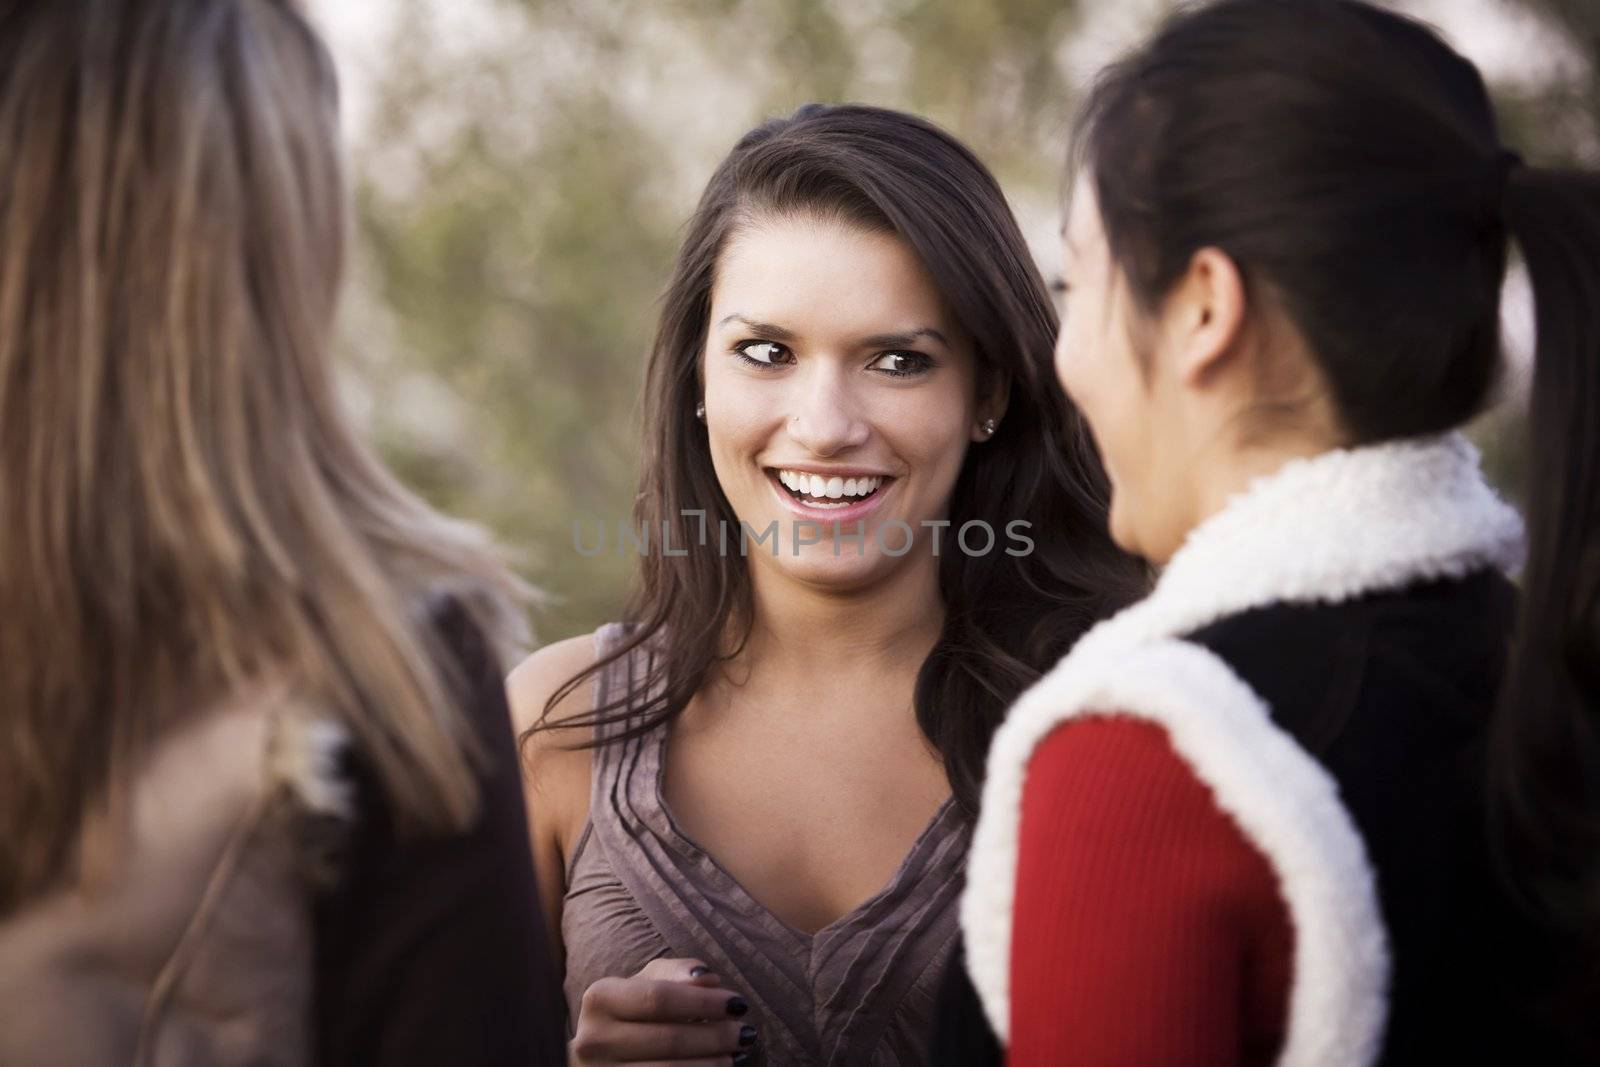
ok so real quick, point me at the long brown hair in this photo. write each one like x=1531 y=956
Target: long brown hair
x=1008 y=618
x=184 y=512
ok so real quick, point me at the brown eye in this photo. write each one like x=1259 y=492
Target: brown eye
x=902 y=364
x=762 y=353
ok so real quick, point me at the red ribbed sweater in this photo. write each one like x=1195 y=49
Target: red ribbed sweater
x=1147 y=928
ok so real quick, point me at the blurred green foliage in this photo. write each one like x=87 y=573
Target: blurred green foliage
x=527 y=165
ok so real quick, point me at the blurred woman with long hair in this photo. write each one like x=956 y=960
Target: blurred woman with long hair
x=259 y=799
x=1329 y=794
x=867 y=520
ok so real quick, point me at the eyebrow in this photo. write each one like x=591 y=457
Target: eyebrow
x=902 y=340
x=766 y=329
x=878 y=340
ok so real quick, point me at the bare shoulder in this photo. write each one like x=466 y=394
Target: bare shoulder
x=555 y=770
x=549 y=753
x=537 y=678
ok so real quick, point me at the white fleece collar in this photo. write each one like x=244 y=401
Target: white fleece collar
x=1338 y=526
x=1327 y=529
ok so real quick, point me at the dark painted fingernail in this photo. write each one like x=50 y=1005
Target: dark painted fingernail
x=696 y=972
x=741 y=1057
x=737 y=1006
x=747 y=1036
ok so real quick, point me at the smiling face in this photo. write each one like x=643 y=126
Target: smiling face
x=837 y=389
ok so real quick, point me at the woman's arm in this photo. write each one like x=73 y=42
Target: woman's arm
x=555 y=775
x=672 y=1010
x=1147 y=928
x=430 y=949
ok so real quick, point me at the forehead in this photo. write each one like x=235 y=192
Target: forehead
x=817 y=273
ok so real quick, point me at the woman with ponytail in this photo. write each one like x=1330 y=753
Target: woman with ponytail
x=1328 y=795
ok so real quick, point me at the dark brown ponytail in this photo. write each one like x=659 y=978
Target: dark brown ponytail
x=1545 y=757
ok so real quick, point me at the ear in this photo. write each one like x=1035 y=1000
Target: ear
x=994 y=393
x=1208 y=314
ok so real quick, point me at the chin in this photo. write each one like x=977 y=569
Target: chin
x=1124 y=533
x=817 y=566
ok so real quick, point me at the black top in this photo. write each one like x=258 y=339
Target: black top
x=431 y=951
x=961 y=1033
x=1391 y=693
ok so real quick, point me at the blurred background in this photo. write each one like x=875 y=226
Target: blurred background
x=521 y=170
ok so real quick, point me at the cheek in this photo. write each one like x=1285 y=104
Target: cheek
x=1073 y=353
x=739 y=402
x=737 y=423
x=929 y=428
x=741 y=419
x=1087 y=367
x=1100 y=372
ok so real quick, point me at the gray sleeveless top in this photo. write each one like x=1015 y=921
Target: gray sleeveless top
x=860 y=991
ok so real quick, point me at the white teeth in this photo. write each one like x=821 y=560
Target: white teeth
x=829 y=488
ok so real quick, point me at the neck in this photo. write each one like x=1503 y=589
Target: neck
x=802 y=629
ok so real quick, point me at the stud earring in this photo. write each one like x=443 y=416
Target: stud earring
x=989 y=426
x=700 y=411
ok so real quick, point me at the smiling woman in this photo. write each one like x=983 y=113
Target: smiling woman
x=854 y=352
x=820 y=394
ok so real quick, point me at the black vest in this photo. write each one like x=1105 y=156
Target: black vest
x=1391 y=694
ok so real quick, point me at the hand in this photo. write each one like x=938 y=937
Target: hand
x=673 y=1011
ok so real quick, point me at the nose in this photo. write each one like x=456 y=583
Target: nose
x=824 y=416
